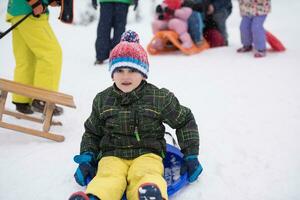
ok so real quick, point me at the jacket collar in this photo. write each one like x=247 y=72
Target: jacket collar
x=130 y=97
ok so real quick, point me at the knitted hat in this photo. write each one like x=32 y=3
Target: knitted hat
x=129 y=53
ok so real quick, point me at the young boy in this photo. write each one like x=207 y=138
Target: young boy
x=125 y=132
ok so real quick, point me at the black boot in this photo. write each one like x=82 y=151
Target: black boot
x=149 y=191
x=24 y=108
x=38 y=106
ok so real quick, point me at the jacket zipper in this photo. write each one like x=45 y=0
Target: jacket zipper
x=136 y=132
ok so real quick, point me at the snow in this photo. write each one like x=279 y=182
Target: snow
x=247 y=110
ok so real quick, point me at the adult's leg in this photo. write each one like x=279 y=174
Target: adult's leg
x=146 y=170
x=24 y=59
x=41 y=41
x=110 y=180
x=119 y=22
x=258 y=32
x=103 y=40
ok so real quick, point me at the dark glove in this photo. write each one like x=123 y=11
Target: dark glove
x=192 y=166
x=87 y=168
x=136 y=3
x=95 y=4
x=37 y=7
x=159 y=9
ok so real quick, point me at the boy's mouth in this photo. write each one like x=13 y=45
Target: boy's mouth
x=126 y=83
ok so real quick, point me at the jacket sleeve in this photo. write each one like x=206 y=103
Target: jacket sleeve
x=93 y=130
x=181 y=119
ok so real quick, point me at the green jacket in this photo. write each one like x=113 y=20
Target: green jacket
x=119 y=1
x=128 y=125
x=19 y=7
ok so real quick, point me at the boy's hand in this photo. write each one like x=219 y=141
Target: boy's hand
x=192 y=166
x=87 y=168
x=37 y=7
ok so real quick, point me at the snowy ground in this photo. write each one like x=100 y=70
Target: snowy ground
x=248 y=112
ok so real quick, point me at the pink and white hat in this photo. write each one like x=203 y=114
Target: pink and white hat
x=129 y=53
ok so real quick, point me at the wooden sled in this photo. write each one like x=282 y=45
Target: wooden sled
x=51 y=98
x=274 y=42
x=171 y=42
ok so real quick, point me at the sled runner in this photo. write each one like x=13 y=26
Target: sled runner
x=50 y=97
x=171 y=42
x=274 y=42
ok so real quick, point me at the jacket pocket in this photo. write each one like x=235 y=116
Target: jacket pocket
x=111 y=118
x=149 y=120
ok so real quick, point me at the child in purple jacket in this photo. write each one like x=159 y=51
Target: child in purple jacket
x=254 y=13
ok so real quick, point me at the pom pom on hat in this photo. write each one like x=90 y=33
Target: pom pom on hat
x=129 y=53
x=130 y=36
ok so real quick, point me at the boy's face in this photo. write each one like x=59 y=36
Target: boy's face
x=127 y=79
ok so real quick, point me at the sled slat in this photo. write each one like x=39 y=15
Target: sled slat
x=50 y=97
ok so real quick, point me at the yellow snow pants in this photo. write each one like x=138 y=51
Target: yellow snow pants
x=38 y=55
x=116 y=175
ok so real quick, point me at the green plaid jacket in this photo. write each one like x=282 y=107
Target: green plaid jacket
x=128 y=125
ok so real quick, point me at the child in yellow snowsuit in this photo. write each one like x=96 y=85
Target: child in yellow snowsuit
x=38 y=55
x=124 y=135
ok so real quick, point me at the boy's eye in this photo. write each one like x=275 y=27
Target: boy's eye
x=133 y=70
x=120 y=70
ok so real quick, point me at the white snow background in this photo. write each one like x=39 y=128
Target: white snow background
x=247 y=110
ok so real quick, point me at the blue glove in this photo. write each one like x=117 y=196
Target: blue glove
x=87 y=168
x=192 y=166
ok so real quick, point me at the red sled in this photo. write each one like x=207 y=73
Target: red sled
x=274 y=42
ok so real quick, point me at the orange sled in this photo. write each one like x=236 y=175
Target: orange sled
x=171 y=42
